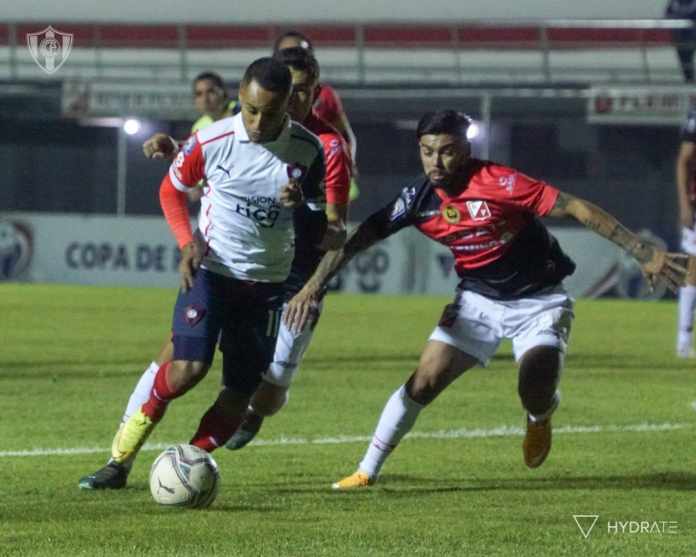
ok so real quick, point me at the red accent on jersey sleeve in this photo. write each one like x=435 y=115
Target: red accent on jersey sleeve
x=188 y=167
x=175 y=211
x=522 y=191
x=328 y=105
x=338 y=169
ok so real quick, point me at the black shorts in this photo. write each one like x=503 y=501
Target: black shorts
x=244 y=315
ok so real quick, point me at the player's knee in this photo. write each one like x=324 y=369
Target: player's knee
x=185 y=374
x=269 y=399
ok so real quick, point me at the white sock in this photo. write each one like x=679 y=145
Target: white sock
x=687 y=304
x=141 y=393
x=397 y=419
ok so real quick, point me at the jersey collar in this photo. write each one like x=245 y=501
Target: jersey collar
x=242 y=136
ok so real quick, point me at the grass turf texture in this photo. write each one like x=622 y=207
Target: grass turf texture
x=70 y=356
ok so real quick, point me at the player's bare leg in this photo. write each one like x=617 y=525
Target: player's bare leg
x=267 y=401
x=539 y=374
x=439 y=366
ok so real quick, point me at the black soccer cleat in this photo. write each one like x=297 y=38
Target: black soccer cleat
x=245 y=432
x=111 y=476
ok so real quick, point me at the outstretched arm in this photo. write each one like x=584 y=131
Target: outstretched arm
x=302 y=306
x=671 y=268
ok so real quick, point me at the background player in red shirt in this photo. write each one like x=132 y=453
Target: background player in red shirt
x=510 y=268
x=327 y=103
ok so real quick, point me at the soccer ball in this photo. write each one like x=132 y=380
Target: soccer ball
x=184 y=476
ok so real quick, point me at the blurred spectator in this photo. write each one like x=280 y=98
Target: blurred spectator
x=684 y=39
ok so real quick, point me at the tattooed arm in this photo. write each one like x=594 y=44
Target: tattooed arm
x=656 y=264
x=303 y=305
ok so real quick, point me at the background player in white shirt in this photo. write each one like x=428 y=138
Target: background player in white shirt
x=511 y=270
x=259 y=166
x=686 y=198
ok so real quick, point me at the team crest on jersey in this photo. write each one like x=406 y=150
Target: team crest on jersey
x=296 y=171
x=478 y=210
x=451 y=214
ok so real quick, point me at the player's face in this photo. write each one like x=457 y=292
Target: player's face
x=208 y=97
x=443 y=157
x=263 y=112
x=302 y=97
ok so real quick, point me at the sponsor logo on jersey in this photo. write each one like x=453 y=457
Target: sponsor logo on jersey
x=508 y=182
x=478 y=210
x=451 y=214
x=179 y=160
x=263 y=210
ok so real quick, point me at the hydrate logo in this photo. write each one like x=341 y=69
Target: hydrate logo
x=50 y=48
x=585 y=523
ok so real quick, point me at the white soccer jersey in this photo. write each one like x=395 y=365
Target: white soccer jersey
x=248 y=234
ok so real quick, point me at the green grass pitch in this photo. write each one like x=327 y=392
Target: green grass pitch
x=624 y=447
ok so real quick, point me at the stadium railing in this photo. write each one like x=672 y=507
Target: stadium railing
x=547 y=51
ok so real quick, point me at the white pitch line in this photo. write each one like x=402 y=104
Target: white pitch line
x=502 y=431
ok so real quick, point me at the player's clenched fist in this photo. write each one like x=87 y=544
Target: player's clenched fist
x=291 y=195
x=160 y=146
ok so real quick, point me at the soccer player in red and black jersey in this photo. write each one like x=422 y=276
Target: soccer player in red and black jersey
x=327 y=103
x=511 y=271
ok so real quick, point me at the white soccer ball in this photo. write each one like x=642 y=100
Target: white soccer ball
x=184 y=476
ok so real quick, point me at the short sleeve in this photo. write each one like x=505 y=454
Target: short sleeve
x=188 y=168
x=524 y=192
x=313 y=184
x=338 y=170
x=688 y=131
x=328 y=105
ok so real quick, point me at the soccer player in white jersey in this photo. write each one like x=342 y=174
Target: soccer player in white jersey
x=511 y=271
x=272 y=393
x=259 y=166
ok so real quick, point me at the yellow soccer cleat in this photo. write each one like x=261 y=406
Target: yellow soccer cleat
x=130 y=437
x=355 y=480
x=537 y=442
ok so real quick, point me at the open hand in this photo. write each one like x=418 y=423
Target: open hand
x=669 y=268
x=190 y=261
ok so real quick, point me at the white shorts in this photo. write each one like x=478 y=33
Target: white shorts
x=476 y=324
x=290 y=349
x=688 y=242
